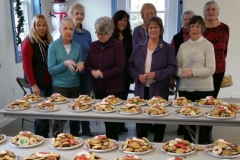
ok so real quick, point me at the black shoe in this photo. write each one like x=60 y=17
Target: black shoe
x=123 y=129
x=209 y=139
x=89 y=134
x=75 y=134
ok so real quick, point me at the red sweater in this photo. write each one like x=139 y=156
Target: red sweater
x=219 y=37
x=27 y=56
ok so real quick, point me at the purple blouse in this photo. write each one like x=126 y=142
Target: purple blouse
x=139 y=35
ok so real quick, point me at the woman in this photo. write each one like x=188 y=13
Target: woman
x=34 y=58
x=83 y=38
x=151 y=64
x=64 y=62
x=122 y=32
x=196 y=65
x=177 y=40
x=148 y=10
x=218 y=34
x=106 y=62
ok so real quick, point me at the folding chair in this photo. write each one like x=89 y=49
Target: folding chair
x=24 y=86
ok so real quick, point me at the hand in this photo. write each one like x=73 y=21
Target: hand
x=150 y=75
x=94 y=74
x=171 y=83
x=36 y=90
x=100 y=73
x=186 y=73
x=142 y=78
x=70 y=64
x=80 y=66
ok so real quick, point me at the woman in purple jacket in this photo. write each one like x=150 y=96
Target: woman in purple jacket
x=151 y=64
x=106 y=62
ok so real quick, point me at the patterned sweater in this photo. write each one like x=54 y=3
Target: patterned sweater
x=199 y=56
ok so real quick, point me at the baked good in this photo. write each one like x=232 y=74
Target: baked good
x=18 y=104
x=156 y=109
x=189 y=111
x=181 y=101
x=136 y=100
x=65 y=140
x=136 y=145
x=209 y=100
x=158 y=100
x=100 y=142
x=85 y=99
x=130 y=157
x=26 y=138
x=79 y=105
x=112 y=99
x=84 y=155
x=46 y=106
x=222 y=111
x=104 y=107
x=178 y=146
x=7 y=155
x=31 y=98
x=130 y=108
x=56 y=97
x=43 y=156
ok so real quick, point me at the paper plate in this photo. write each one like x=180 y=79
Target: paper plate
x=66 y=148
x=127 y=152
x=154 y=116
x=219 y=156
x=219 y=117
x=182 y=154
x=28 y=146
x=105 y=150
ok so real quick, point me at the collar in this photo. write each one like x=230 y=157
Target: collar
x=197 y=41
x=107 y=44
x=159 y=47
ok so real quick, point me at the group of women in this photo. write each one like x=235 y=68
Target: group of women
x=73 y=64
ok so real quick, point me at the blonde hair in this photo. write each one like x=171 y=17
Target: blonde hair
x=73 y=7
x=147 y=5
x=33 y=36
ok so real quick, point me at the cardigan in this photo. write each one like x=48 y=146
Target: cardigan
x=110 y=59
x=163 y=64
x=62 y=76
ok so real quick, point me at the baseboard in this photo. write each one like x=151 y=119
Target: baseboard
x=6 y=121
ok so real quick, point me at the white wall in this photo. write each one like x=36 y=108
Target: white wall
x=9 y=69
x=93 y=10
x=229 y=14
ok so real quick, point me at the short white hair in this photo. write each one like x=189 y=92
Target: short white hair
x=104 y=25
x=65 y=20
x=209 y=4
x=189 y=12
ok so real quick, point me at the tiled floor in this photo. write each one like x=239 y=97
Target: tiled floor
x=229 y=133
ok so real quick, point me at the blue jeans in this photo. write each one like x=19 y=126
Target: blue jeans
x=41 y=126
x=85 y=88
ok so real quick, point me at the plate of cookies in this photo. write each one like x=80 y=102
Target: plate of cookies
x=79 y=106
x=26 y=139
x=155 y=110
x=112 y=99
x=136 y=100
x=46 y=106
x=223 y=149
x=209 y=101
x=158 y=100
x=57 y=98
x=85 y=155
x=32 y=98
x=18 y=105
x=130 y=157
x=221 y=112
x=8 y=155
x=178 y=147
x=103 y=107
x=65 y=141
x=231 y=106
x=129 y=109
x=180 y=102
x=44 y=156
x=3 y=138
x=85 y=99
x=189 y=111
x=136 y=146
x=100 y=143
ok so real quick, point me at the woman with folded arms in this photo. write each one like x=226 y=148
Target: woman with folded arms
x=196 y=65
x=151 y=65
x=34 y=58
x=64 y=62
x=106 y=62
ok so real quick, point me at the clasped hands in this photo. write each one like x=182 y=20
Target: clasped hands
x=72 y=65
x=97 y=73
x=143 y=78
x=186 y=73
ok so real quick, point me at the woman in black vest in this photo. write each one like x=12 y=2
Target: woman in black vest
x=34 y=58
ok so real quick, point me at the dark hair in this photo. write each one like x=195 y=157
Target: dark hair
x=197 y=19
x=159 y=22
x=117 y=17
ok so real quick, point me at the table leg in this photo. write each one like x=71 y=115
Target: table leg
x=51 y=127
x=197 y=134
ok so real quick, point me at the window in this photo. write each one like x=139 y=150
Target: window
x=26 y=7
x=166 y=10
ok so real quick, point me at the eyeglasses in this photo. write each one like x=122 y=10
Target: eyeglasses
x=101 y=34
x=153 y=28
x=195 y=26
